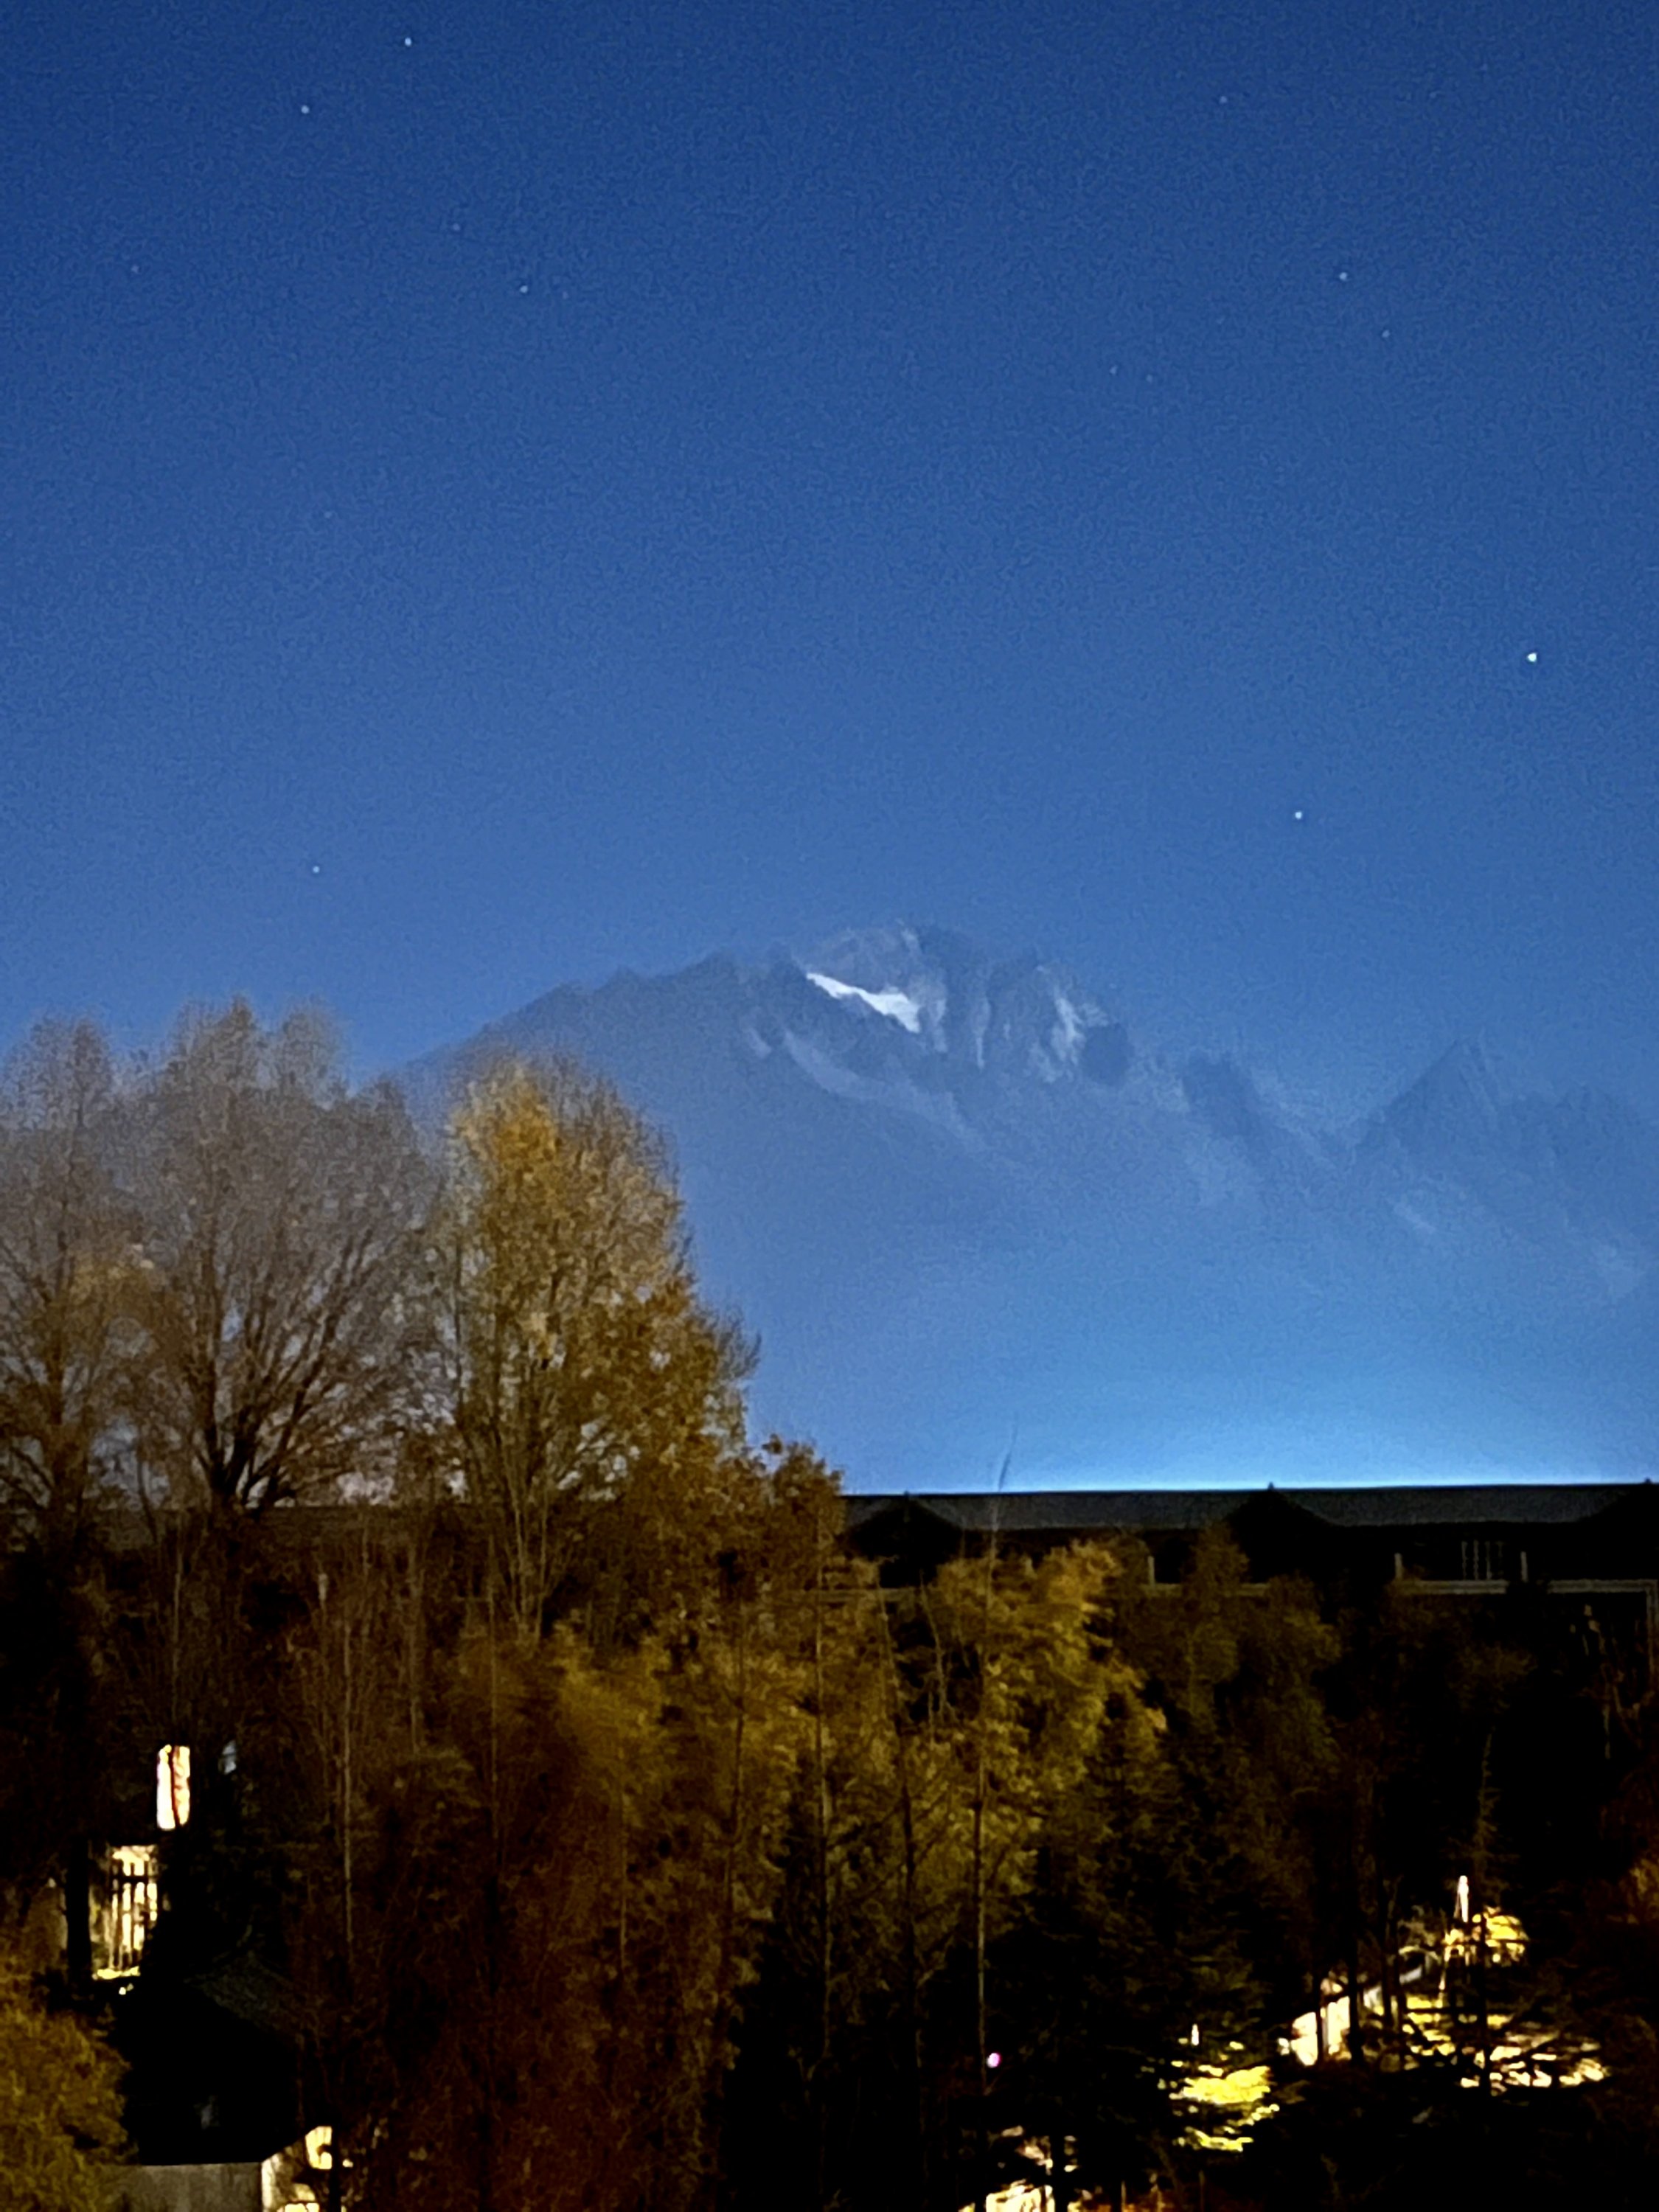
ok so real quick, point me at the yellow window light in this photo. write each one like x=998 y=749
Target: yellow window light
x=172 y=1786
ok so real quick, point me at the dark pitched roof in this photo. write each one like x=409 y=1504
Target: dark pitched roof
x=249 y=1990
x=1376 y=1506
x=1465 y=1504
x=1016 y=1512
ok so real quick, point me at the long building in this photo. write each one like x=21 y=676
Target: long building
x=1587 y=1553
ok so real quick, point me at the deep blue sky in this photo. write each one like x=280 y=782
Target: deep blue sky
x=495 y=493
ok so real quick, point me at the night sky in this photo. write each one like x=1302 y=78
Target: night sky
x=494 y=494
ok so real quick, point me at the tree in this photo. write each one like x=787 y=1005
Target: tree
x=594 y=1402
x=828 y=2004
x=67 y=1250
x=279 y=1212
x=949 y=1734
x=376 y=1812
x=66 y=1268
x=1238 y=1673
x=1081 y=1822
x=539 y=1828
x=523 y=1938
x=60 y=2108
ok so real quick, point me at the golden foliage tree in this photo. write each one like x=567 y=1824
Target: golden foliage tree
x=60 y=2107
x=594 y=1399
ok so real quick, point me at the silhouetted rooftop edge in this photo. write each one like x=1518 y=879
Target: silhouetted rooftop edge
x=1373 y=1506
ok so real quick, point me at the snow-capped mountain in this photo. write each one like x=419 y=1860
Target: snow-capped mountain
x=971 y=1207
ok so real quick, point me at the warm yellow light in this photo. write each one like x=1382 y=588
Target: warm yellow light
x=1226 y=2104
x=172 y=1786
x=131 y=1901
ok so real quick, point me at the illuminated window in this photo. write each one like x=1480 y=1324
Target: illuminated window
x=131 y=1903
x=172 y=1786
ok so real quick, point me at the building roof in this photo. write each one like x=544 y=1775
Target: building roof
x=1464 y=1503
x=1526 y=1504
x=1014 y=1512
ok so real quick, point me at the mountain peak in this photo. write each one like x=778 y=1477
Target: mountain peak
x=1025 y=1016
x=1463 y=1095
x=953 y=1190
x=895 y=970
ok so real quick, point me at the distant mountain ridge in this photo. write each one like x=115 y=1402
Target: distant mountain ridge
x=970 y=1202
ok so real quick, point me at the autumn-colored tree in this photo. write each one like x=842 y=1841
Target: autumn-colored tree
x=1237 y=1674
x=530 y=1965
x=541 y=1839
x=60 y=2104
x=950 y=1732
x=823 y=2088
x=594 y=1399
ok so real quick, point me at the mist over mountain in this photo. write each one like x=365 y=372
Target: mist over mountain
x=973 y=1209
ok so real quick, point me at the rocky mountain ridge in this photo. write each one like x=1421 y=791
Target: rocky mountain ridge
x=968 y=1199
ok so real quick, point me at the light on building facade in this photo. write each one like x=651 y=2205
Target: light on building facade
x=172 y=1786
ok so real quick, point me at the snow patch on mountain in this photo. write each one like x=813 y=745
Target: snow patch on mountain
x=898 y=1006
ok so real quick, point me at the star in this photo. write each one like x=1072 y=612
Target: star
x=1298 y=814
x=1532 y=656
